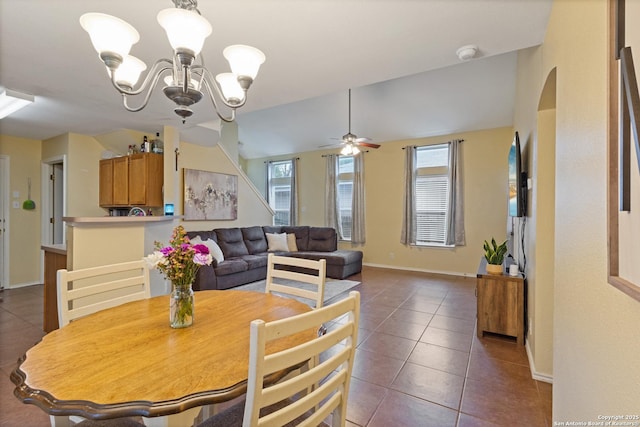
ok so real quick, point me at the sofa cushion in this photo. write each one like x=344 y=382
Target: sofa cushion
x=291 y=242
x=255 y=261
x=333 y=258
x=204 y=235
x=323 y=239
x=302 y=236
x=272 y=229
x=254 y=239
x=231 y=242
x=230 y=266
x=277 y=242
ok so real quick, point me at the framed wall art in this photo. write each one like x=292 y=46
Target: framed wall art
x=210 y=196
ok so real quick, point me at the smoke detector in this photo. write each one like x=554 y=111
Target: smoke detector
x=467 y=52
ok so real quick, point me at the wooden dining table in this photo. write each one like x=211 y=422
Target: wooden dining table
x=127 y=360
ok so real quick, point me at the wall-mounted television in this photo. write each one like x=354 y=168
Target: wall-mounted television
x=517 y=181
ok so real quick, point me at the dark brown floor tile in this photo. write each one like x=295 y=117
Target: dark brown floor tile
x=449 y=339
x=15 y=413
x=376 y=368
x=424 y=305
x=463 y=326
x=430 y=384
x=388 y=345
x=468 y=313
x=412 y=316
x=440 y=358
x=364 y=399
x=400 y=410
x=371 y=321
x=498 y=406
x=401 y=328
x=502 y=349
x=500 y=372
x=545 y=391
x=466 y=420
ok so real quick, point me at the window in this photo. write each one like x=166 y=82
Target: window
x=279 y=176
x=345 y=196
x=432 y=194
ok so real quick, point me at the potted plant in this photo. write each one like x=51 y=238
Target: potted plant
x=494 y=254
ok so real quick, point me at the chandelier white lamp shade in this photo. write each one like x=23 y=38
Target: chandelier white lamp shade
x=186 y=30
x=185 y=80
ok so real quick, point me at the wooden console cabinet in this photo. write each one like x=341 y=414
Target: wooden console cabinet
x=500 y=299
x=134 y=180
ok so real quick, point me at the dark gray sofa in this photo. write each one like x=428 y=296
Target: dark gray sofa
x=245 y=251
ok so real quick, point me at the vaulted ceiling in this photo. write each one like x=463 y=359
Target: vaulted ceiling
x=398 y=56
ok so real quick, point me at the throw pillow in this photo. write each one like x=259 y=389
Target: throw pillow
x=291 y=242
x=277 y=242
x=214 y=249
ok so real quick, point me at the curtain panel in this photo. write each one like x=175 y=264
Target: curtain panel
x=358 y=202
x=331 y=207
x=408 y=234
x=455 y=222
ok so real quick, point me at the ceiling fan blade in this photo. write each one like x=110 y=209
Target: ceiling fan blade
x=368 y=144
x=362 y=139
x=331 y=145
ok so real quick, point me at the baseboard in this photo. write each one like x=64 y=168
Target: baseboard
x=422 y=270
x=532 y=366
x=22 y=285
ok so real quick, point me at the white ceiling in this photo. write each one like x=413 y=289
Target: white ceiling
x=398 y=56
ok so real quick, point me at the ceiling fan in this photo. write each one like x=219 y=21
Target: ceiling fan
x=351 y=141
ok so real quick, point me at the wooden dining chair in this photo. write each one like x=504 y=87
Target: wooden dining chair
x=295 y=400
x=307 y=271
x=85 y=291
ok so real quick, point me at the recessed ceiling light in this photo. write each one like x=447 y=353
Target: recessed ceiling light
x=11 y=101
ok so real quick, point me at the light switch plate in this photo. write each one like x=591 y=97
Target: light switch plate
x=16 y=194
x=16 y=205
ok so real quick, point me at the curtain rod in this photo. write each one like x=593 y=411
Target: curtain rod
x=426 y=145
x=327 y=155
x=283 y=160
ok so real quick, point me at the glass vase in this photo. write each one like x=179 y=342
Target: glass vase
x=181 y=306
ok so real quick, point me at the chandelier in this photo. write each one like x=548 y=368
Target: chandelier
x=184 y=79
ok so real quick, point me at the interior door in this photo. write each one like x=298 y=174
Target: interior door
x=58 y=202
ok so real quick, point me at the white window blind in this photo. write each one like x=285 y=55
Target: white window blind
x=280 y=191
x=432 y=194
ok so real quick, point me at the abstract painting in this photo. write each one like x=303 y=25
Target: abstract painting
x=210 y=196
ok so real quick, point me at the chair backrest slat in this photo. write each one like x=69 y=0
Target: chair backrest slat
x=326 y=382
x=275 y=277
x=85 y=291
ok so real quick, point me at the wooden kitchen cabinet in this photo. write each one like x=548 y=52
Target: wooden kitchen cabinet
x=500 y=299
x=134 y=180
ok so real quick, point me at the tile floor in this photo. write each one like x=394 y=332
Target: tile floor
x=418 y=361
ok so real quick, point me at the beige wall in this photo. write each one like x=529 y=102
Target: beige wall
x=534 y=119
x=252 y=210
x=23 y=226
x=595 y=343
x=485 y=193
x=629 y=222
